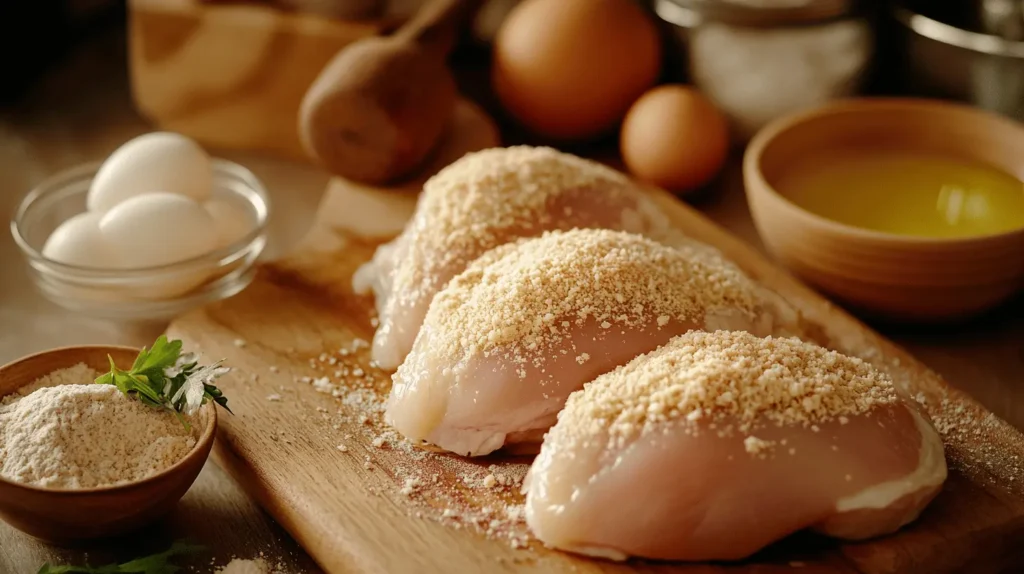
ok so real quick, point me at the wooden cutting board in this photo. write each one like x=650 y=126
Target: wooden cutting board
x=329 y=471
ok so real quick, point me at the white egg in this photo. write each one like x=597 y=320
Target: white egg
x=232 y=219
x=78 y=241
x=161 y=160
x=157 y=229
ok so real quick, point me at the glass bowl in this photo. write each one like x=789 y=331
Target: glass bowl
x=151 y=293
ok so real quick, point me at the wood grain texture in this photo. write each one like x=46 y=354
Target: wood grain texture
x=352 y=518
x=231 y=75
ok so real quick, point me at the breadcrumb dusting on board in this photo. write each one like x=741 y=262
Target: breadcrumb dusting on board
x=758 y=447
x=432 y=486
x=240 y=566
x=449 y=490
x=526 y=297
x=962 y=422
x=251 y=566
x=732 y=379
x=441 y=492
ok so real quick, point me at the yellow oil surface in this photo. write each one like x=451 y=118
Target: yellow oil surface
x=906 y=193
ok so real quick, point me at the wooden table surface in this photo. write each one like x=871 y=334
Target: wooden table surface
x=82 y=110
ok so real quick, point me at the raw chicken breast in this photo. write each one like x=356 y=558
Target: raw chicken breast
x=718 y=444
x=507 y=341
x=482 y=201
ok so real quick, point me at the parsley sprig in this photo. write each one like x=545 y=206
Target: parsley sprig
x=163 y=377
x=154 y=564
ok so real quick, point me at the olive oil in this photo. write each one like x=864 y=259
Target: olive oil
x=906 y=193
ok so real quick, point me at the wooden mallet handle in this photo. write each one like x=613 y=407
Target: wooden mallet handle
x=380 y=106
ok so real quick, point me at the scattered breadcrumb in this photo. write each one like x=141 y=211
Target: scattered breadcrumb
x=239 y=566
x=323 y=385
x=757 y=447
x=274 y=397
x=411 y=485
x=974 y=440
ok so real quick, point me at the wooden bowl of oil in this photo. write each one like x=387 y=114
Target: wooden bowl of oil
x=69 y=515
x=910 y=210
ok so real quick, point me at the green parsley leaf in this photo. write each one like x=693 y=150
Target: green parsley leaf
x=158 y=377
x=215 y=394
x=154 y=564
x=151 y=363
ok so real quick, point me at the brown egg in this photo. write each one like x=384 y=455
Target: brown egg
x=569 y=69
x=675 y=138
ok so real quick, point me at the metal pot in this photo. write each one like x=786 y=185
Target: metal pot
x=944 y=57
x=759 y=61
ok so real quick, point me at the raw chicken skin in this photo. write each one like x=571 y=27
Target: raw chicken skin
x=675 y=488
x=484 y=200
x=483 y=403
x=528 y=323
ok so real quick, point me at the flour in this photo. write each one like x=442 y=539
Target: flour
x=239 y=566
x=62 y=431
x=79 y=374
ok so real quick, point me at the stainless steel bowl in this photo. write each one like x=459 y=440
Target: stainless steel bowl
x=944 y=57
x=758 y=62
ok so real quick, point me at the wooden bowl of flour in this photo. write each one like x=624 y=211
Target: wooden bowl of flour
x=64 y=515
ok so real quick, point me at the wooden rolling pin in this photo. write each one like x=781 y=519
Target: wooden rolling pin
x=379 y=107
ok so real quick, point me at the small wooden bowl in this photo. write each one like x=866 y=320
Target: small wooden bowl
x=891 y=276
x=64 y=515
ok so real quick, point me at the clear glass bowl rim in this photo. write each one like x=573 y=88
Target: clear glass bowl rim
x=60 y=180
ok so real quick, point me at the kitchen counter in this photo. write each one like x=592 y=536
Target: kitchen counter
x=82 y=111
